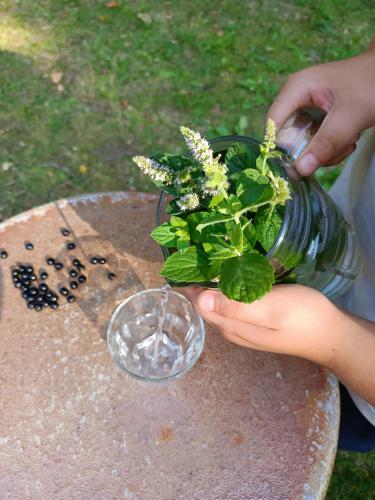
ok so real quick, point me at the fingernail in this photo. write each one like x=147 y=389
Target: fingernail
x=307 y=164
x=206 y=302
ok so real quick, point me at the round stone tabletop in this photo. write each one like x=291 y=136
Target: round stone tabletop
x=240 y=425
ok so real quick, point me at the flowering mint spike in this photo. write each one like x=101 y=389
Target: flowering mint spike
x=215 y=172
x=188 y=202
x=270 y=135
x=153 y=169
x=197 y=144
x=269 y=142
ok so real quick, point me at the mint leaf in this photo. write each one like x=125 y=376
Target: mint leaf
x=261 y=165
x=253 y=188
x=214 y=270
x=207 y=247
x=221 y=252
x=235 y=234
x=183 y=244
x=229 y=205
x=252 y=174
x=249 y=232
x=167 y=189
x=183 y=232
x=177 y=221
x=267 y=224
x=165 y=235
x=190 y=266
x=292 y=258
x=239 y=157
x=234 y=203
x=246 y=278
x=215 y=200
x=174 y=162
x=193 y=221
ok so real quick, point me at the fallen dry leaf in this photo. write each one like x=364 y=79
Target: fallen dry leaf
x=144 y=17
x=6 y=166
x=60 y=87
x=125 y=104
x=56 y=77
x=112 y=5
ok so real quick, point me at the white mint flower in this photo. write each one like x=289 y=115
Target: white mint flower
x=197 y=144
x=184 y=176
x=216 y=179
x=214 y=166
x=153 y=169
x=281 y=187
x=215 y=172
x=188 y=202
x=207 y=190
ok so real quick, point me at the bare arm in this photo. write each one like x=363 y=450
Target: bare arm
x=354 y=362
x=297 y=320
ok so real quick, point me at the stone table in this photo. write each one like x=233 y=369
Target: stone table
x=240 y=424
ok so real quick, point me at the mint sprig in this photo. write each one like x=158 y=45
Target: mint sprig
x=225 y=215
x=247 y=277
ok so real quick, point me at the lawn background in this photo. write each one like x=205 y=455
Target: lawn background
x=85 y=85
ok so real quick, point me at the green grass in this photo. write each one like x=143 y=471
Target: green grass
x=133 y=74
x=353 y=477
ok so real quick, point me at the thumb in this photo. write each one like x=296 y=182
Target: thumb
x=215 y=302
x=230 y=317
x=334 y=136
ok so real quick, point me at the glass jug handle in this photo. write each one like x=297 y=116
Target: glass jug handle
x=298 y=131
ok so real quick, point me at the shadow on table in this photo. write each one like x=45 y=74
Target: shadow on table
x=121 y=224
x=125 y=219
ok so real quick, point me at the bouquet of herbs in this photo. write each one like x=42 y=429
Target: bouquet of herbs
x=225 y=215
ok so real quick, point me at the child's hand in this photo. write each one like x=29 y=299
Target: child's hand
x=345 y=90
x=290 y=319
x=296 y=320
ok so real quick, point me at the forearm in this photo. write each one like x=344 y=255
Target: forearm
x=354 y=361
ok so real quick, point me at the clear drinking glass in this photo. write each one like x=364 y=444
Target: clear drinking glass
x=315 y=246
x=138 y=350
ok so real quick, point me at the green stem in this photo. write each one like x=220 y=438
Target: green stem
x=265 y=158
x=202 y=225
x=245 y=225
x=250 y=208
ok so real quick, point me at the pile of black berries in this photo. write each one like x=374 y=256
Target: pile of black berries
x=36 y=296
x=37 y=293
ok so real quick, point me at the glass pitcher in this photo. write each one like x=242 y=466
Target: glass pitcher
x=315 y=245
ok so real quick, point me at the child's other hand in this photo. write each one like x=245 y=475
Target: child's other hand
x=345 y=90
x=290 y=319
